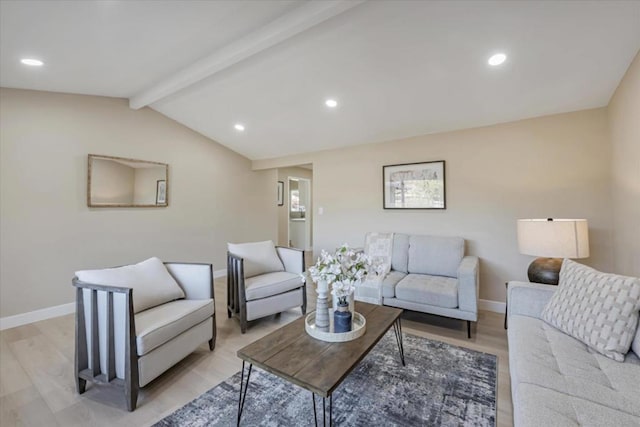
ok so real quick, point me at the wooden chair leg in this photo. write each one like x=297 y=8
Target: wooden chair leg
x=468 y=329
x=243 y=324
x=131 y=394
x=81 y=385
x=212 y=341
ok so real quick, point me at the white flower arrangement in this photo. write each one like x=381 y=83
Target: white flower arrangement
x=345 y=270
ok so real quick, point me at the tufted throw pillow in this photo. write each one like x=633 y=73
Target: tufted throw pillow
x=599 y=309
x=150 y=280
x=259 y=257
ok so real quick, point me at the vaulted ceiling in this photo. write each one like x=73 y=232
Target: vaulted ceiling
x=395 y=68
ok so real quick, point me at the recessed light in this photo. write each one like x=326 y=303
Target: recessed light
x=239 y=127
x=32 y=62
x=331 y=103
x=497 y=59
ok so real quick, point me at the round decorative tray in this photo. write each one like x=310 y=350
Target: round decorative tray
x=358 y=328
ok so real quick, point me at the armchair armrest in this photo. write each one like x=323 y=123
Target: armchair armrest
x=528 y=299
x=293 y=259
x=97 y=359
x=196 y=280
x=468 y=281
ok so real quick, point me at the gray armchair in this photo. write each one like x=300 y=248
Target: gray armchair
x=263 y=279
x=135 y=322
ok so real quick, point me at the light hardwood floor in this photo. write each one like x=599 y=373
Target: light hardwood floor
x=37 y=385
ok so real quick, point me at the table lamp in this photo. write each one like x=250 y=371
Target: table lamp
x=552 y=240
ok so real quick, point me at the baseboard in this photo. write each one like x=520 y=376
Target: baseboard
x=495 y=306
x=56 y=311
x=64 y=309
x=36 y=316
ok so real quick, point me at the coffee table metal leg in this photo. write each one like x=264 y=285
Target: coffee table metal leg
x=397 y=328
x=315 y=417
x=243 y=396
x=324 y=412
x=330 y=410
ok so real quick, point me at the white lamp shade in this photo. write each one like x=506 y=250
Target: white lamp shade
x=559 y=238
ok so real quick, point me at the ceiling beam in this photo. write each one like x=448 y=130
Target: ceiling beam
x=288 y=25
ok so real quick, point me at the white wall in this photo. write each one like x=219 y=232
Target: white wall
x=624 y=122
x=556 y=166
x=48 y=232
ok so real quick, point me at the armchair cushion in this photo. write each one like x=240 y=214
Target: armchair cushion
x=269 y=284
x=435 y=255
x=151 y=282
x=160 y=324
x=259 y=257
x=433 y=290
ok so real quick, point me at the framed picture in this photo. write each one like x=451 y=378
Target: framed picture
x=161 y=192
x=280 y=193
x=414 y=186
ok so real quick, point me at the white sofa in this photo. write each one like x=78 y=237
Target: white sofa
x=557 y=380
x=135 y=322
x=431 y=274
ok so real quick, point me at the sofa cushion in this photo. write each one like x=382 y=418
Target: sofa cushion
x=389 y=283
x=160 y=324
x=432 y=290
x=542 y=355
x=435 y=255
x=151 y=282
x=599 y=309
x=270 y=284
x=259 y=257
x=400 y=256
x=537 y=406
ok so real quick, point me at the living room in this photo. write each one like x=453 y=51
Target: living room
x=551 y=132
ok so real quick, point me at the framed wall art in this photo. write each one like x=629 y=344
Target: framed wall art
x=280 y=193
x=414 y=186
x=161 y=192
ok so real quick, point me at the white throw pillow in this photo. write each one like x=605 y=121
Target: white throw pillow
x=599 y=309
x=152 y=284
x=259 y=257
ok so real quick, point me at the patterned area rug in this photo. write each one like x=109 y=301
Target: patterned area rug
x=442 y=385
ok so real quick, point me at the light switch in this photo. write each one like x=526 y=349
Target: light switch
x=320 y=210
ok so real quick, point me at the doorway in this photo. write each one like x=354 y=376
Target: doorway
x=299 y=213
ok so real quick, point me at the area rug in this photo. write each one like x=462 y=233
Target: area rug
x=442 y=385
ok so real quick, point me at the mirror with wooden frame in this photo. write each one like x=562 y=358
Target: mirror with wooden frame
x=118 y=182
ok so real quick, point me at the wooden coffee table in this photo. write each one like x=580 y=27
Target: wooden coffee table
x=315 y=365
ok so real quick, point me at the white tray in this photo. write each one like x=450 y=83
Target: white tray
x=358 y=328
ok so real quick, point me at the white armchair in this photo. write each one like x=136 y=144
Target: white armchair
x=135 y=322
x=263 y=279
